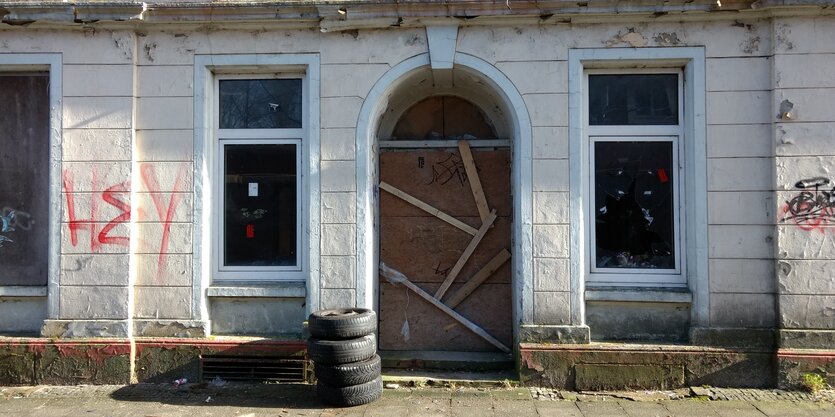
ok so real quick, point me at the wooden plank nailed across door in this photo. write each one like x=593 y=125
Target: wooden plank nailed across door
x=453 y=273
x=475 y=182
x=428 y=208
x=398 y=278
x=478 y=279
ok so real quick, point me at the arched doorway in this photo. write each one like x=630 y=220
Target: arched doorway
x=443 y=159
x=477 y=81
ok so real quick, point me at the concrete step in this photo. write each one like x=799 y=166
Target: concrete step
x=447 y=360
x=412 y=378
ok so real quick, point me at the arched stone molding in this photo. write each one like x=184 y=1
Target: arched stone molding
x=520 y=133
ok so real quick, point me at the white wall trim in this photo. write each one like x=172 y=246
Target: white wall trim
x=367 y=193
x=442 y=41
x=51 y=62
x=205 y=66
x=695 y=187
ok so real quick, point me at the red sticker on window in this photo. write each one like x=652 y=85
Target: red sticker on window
x=250 y=231
x=662 y=175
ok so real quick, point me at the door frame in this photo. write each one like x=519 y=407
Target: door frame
x=367 y=153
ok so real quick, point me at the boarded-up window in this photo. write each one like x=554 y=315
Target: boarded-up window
x=24 y=178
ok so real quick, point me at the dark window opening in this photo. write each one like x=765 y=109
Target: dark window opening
x=260 y=211
x=24 y=179
x=261 y=104
x=634 y=205
x=633 y=99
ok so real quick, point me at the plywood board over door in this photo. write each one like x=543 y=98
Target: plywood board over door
x=426 y=248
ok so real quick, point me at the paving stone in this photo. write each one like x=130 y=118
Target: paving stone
x=511 y=394
x=689 y=408
x=734 y=408
x=250 y=400
x=514 y=408
x=637 y=409
x=601 y=408
x=558 y=409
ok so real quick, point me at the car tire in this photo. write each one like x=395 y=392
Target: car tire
x=348 y=374
x=342 y=323
x=351 y=395
x=334 y=352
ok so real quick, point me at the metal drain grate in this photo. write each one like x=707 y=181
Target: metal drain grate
x=253 y=369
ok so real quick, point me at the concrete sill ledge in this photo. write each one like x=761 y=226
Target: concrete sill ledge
x=19 y=291
x=271 y=290
x=639 y=348
x=645 y=295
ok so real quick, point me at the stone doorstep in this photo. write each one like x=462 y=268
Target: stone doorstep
x=623 y=366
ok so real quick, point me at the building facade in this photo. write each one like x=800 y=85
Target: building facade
x=200 y=176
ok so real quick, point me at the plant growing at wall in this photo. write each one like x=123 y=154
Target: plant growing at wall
x=813 y=382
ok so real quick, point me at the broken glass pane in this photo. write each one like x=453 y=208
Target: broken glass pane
x=24 y=179
x=633 y=194
x=633 y=99
x=261 y=104
x=260 y=219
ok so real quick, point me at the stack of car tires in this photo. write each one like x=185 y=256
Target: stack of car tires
x=343 y=348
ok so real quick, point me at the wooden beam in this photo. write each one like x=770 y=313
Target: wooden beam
x=428 y=208
x=396 y=277
x=442 y=143
x=475 y=182
x=478 y=278
x=466 y=255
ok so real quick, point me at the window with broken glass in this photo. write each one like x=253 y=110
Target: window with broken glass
x=634 y=138
x=258 y=209
x=24 y=178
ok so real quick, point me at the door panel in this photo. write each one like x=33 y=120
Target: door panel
x=425 y=248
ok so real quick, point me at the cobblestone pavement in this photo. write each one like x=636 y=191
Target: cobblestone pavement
x=247 y=400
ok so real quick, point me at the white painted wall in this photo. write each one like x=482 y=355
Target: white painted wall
x=128 y=118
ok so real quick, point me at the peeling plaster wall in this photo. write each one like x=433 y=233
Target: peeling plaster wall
x=128 y=124
x=96 y=131
x=740 y=157
x=804 y=95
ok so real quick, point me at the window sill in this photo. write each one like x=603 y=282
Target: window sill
x=637 y=294
x=21 y=291
x=291 y=289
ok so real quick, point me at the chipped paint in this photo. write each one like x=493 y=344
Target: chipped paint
x=667 y=39
x=787 y=111
x=631 y=38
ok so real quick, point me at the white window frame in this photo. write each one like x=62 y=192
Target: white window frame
x=609 y=277
x=51 y=63
x=694 y=141
x=230 y=137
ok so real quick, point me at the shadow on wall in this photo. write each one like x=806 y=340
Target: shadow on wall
x=210 y=373
x=294 y=395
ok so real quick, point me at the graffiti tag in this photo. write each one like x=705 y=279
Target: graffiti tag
x=449 y=169
x=812 y=208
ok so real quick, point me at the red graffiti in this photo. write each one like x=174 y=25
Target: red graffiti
x=92 y=223
x=164 y=211
x=101 y=230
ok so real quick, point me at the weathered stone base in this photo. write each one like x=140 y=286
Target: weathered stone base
x=170 y=328
x=633 y=366
x=164 y=360
x=85 y=328
x=529 y=333
x=733 y=337
x=793 y=363
x=33 y=361
x=807 y=339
